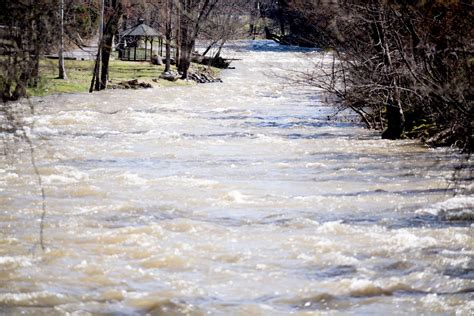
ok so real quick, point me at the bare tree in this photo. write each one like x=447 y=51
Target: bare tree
x=112 y=11
x=193 y=14
x=62 y=70
x=168 y=32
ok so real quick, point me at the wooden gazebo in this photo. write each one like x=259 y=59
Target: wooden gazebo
x=130 y=39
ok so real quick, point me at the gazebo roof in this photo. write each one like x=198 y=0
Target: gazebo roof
x=141 y=30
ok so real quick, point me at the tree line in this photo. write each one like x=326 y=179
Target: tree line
x=29 y=29
x=404 y=66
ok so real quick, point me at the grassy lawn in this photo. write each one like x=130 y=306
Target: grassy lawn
x=79 y=74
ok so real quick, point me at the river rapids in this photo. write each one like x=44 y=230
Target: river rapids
x=246 y=197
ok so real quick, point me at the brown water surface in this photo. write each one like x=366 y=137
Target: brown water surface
x=238 y=198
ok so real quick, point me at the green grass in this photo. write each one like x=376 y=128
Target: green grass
x=79 y=74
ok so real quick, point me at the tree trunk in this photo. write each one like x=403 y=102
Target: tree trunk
x=219 y=50
x=185 y=40
x=35 y=72
x=281 y=16
x=108 y=41
x=187 y=46
x=106 y=52
x=95 y=74
x=99 y=48
x=62 y=70
x=177 y=52
x=168 y=34
x=105 y=46
x=209 y=47
x=394 y=111
x=395 y=120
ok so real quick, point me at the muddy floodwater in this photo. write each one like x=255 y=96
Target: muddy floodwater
x=234 y=198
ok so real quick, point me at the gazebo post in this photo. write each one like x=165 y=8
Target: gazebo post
x=135 y=54
x=151 y=53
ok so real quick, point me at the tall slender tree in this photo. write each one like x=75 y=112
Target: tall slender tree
x=62 y=70
x=169 y=7
x=112 y=11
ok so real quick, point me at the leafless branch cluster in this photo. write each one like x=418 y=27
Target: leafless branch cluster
x=405 y=67
x=226 y=23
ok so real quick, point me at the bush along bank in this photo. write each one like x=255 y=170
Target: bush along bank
x=405 y=68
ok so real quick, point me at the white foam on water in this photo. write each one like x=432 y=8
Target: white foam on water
x=456 y=208
x=132 y=179
x=237 y=197
x=187 y=181
x=43 y=298
x=65 y=176
x=404 y=240
x=18 y=261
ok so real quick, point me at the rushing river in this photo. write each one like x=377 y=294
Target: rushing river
x=239 y=198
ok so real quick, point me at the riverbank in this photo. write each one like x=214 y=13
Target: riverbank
x=79 y=74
